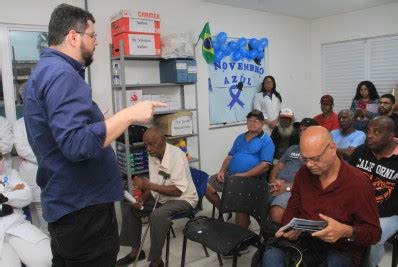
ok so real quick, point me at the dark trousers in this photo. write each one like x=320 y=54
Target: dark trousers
x=159 y=221
x=87 y=237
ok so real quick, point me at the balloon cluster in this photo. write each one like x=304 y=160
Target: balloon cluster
x=243 y=48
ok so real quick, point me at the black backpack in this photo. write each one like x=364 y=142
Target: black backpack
x=306 y=252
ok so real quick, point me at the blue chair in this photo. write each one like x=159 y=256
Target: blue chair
x=200 y=180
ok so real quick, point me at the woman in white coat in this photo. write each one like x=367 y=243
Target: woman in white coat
x=28 y=169
x=6 y=140
x=20 y=241
x=268 y=101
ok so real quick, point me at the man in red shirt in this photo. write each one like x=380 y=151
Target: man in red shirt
x=329 y=189
x=327 y=118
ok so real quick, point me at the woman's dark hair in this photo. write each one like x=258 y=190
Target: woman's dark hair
x=273 y=90
x=65 y=18
x=373 y=95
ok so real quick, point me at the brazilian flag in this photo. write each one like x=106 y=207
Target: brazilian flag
x=207 y=46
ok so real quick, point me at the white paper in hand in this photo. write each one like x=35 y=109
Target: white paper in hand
x=129 y=197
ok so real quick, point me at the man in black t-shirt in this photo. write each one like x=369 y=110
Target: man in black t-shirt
x=378 y=158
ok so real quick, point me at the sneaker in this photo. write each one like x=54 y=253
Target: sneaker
x=128 y=259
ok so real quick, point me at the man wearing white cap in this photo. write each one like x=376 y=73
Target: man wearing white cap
x=285 y=135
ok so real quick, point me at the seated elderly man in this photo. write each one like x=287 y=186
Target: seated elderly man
x=329 y=189
x=285 y=135
x=169 y=180
x=250 y=156
x=347 y=138
x=283 y=173
x=378 y=159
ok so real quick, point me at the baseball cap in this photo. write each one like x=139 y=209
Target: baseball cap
x=286 y=112
x=256 y=113
x=307 y=122
x=327 y=100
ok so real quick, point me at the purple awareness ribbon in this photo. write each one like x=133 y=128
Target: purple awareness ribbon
x=235 y=97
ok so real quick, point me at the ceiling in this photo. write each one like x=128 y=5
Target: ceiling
x=306 y=9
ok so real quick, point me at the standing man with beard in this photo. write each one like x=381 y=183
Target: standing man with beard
x=386 y=108
x=77 y=168
x=378 y=158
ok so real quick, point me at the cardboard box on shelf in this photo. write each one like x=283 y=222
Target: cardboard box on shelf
x=179 y=123
x=137 y=44
x=135 y=22
x=192 y=72
x=173 y=71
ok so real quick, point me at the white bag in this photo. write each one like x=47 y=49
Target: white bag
x=177 y=45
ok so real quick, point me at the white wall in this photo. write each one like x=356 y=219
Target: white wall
x=288 y=56
x=371 y=22
x=289 y=42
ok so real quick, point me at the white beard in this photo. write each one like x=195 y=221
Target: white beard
x=286 y=132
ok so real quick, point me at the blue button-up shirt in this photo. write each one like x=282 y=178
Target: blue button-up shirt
x=66 y=130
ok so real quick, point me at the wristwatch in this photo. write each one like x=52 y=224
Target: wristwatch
x=288 y=188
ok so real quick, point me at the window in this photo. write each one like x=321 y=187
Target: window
x=345 y=64
x=20 y=52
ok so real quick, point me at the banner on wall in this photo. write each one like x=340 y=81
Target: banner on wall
x=232 y=86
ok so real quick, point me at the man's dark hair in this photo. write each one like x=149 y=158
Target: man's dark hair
x=65 y=18
x=389 y=96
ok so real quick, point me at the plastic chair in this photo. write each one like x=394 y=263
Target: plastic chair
x=200 y=180
x=240 y=194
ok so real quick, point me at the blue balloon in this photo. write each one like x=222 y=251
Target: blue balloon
x=253 y=43
x=227 y=51
x=260 y=56
x=263 y=43
x=260 y=53
x=219 y=56
x=244 y=52
x=233 y=45
x=221 y=38
x=237 y=55
x=252 y=54
x=216 y=46
x=242 y=42
x=223 y=47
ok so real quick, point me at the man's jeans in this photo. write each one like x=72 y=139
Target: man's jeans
x=389 y=226
x=275 y=257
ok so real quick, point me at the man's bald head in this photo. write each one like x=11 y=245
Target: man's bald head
x=314 y=137
x=380 y=133
x=386 y=124
x=317 y=149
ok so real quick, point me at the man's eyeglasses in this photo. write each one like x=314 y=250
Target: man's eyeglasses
x=92 y=35
x=315 y=159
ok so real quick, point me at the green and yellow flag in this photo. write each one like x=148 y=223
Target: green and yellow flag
x=207 y=46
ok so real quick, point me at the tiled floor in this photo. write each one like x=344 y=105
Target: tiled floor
x=195 y=256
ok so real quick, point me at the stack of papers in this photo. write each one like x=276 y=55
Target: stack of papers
x=304 y=225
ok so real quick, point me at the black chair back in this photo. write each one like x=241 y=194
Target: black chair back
x=246 y=195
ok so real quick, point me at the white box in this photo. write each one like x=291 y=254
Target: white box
x=135 y=96
x=155 y=97
x=146 y=97
x=173 y=105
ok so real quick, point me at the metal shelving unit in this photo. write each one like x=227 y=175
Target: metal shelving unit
x=123 y=149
